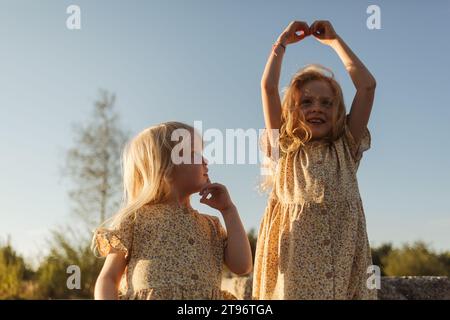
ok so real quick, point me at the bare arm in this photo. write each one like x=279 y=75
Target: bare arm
x=362 y=79
x=269 y=89
x=238 y=254
x=365 y=88
x=270 y=80
x=106 y=287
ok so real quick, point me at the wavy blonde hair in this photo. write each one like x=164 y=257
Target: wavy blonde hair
x=294 y=132
x=146 y=168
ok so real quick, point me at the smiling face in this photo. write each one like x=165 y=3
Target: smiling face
x=189 y=178
x=316 y=104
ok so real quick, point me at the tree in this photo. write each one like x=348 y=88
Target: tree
x=93 y=164
x=52 y=274
x=15 y=275
x=416 y=260
x=93 y=167
x=379 y=254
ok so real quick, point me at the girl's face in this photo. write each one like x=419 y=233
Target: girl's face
x=189 y=178
x=316 y=104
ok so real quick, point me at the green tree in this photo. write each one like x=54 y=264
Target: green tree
x=379 y=254
x=15 y=275
x=444 y=258
x=415 y=260
x=67 y=249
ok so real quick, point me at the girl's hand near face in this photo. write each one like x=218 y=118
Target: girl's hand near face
x=219 y=199
x=291 y=33
x=323 y=31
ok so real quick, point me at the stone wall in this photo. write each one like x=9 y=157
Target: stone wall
x=392 y=288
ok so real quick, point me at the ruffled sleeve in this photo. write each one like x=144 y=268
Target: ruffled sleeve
x=118 y=239
x=356 y=148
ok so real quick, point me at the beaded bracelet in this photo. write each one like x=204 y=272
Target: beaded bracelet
x=275 y=45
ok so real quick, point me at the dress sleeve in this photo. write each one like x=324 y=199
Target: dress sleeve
x=118 y=239
x=357 y=149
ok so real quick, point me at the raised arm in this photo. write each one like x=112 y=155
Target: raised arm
x=362 y=79
x=269 y=83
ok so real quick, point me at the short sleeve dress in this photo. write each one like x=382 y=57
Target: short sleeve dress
x=173 y=253
x=312 y=242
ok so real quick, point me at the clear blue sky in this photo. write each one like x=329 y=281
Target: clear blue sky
x=202 y=60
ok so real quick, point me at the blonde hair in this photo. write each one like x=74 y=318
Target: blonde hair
x=294 y=132
x=146 y=168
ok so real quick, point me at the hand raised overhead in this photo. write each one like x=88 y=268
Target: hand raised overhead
x=294 y=32
x=323 y=31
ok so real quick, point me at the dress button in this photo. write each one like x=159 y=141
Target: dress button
x=194 y=277
x=191 y=241
x=319 y=162
x=329 y=274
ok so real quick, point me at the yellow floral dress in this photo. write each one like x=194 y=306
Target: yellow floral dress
x=173 y=253
x=312 y=242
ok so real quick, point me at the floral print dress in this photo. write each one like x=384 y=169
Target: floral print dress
x=173 y=253
x=312 y=242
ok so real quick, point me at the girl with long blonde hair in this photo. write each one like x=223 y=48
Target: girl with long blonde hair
x=312 y=241
x=157 y=246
